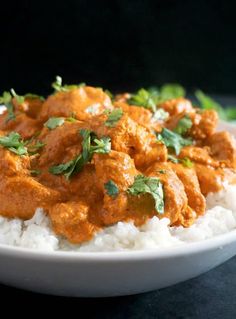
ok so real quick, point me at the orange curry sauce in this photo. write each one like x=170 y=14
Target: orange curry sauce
x=79 y=204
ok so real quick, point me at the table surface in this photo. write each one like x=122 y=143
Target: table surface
x=212 y=295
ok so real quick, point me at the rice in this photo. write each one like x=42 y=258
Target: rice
x=36 y=233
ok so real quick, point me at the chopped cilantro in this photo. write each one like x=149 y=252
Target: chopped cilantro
x=111 y=188
x=149 y=185
x=173 y=140
x=113 y=117
x=185 y=161
x=183 y=125
x=54 y=122
x=35 y=172
x=145 y=99
x=14 y=143
x=58 y=87
x=90 y=145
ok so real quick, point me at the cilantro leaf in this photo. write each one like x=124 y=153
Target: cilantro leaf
x=90 y=145
x=34 y=147
x=149 y=185
x=185 y=161
x=173 y=159
x=14 y=143
x=171 y=91
x=33 y=96
x=207 y=103
x=145 y=99
x=6 y=99
x=111 y=188
x=113 y=117
x=54 y=122
x=58 y=87
x=173 y=140
x=35 y=172
x=183 y=125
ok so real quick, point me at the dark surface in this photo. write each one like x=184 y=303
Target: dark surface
x=212 y=295
x=118 y=44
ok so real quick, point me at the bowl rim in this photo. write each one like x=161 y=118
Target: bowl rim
x=186 y=249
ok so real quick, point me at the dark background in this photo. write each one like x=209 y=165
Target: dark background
x=120 y=45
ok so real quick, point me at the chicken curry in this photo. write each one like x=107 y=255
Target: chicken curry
x=90 y=160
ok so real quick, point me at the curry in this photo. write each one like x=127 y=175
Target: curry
x=90 y=160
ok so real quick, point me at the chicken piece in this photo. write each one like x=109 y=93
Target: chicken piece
x=140 y=115
x=82 y=103
x=22 y=124
x=223 y=148
x=177 y=106
x=191 y=186
x=198 y=155
x=211 y=179
x=129 y=137
x=115 y=166
x=176 y=202
x=61 y=143
x=119 y=168
x=71 y=221
x=204 y=124
x=11 y=164
x=31 y=106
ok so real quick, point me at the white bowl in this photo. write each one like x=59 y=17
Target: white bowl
x=112 y=273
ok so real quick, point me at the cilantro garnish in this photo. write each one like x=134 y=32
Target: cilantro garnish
x=35 y=172
x=54 y=122
x=185 y=161
x=111 y=188
x=14 y=143
x=149 y=185
x=90 y=145
x=58 y=87
x=145 y=99
x=113 y=117
x=173 y=140
x=183 y=125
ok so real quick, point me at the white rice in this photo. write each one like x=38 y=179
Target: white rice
x=36 y=233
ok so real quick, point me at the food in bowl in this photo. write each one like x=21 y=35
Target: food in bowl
x=85 y=171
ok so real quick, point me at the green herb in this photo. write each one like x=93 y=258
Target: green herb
x=90 y=145
x=162 y=171
x=171 y=91
x=173 y=140
x=71 y=119
x=160 y=115
x=54 y=122
x=149 y=185
x=33 y=96
x=58 y=87
x=20 y=99
x=183 y=125
x=145 y=99
x=35 y=172
x=111 y=188
x=113 y=117
x=34 y=147
x=185 y=161
x=6 y=99
x=14 y=143
x=173 y=159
